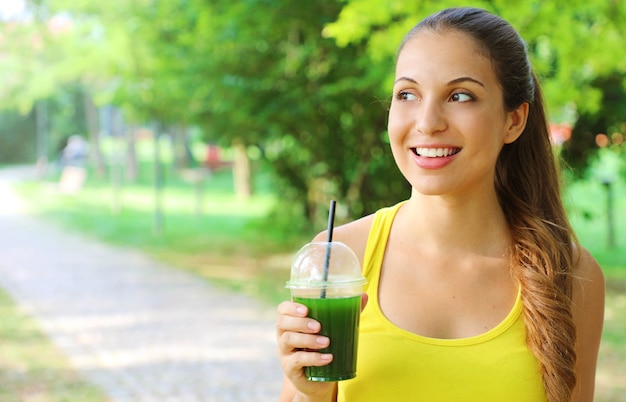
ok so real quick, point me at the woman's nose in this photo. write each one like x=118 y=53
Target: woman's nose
x=430 y=117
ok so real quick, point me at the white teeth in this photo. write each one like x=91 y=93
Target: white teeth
x=434 y=152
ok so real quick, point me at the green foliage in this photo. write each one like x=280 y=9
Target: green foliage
x=17 y=136
x=587 y=206
x=610 y=120
x=304 y=83
x=314 y=109
x=65 y=116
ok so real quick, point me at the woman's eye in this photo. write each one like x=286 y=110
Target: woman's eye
x=405 y=96
x=461 y=97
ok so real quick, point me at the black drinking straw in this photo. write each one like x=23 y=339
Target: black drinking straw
x=331 y=224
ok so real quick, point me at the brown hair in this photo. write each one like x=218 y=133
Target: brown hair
x=528 y=187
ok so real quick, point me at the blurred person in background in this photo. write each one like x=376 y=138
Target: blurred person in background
x=74 y=165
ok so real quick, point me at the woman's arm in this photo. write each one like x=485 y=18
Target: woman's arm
x=588 y=311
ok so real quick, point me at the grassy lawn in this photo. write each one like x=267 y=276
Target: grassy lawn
x=31 y=368
x=233 y=232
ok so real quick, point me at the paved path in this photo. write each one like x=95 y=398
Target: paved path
x=138 y=329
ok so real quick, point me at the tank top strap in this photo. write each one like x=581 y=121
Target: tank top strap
x=377 y=240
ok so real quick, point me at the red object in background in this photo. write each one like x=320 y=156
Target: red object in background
x=213 y=154
x=559 y=133
x=214 y=159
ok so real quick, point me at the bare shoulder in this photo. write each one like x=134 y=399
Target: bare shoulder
x=588 y=280
x=354 y=234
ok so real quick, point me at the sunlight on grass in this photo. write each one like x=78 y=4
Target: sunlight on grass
x=178 y=200
x=222 y=224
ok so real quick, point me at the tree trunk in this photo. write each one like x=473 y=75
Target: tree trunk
x=41 y=121
x=178 y=134
x=241 y=169
x=94 y=136
x=132 y=166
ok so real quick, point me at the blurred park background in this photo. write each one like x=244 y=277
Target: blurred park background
x=212 y=134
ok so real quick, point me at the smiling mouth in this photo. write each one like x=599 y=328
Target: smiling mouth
x=435 y=152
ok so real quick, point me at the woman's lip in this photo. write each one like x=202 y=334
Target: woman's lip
x=448 y=155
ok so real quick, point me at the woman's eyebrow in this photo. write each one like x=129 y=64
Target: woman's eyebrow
x=452 y=82
x=405 y=79
x=463 y=79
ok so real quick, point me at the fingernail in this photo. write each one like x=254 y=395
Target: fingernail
x=321 y=340
x=326 y=356
x=301 y=310
x=313 y=326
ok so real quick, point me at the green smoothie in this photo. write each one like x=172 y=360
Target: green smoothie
x=339 y=318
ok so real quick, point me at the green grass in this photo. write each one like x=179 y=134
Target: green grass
x=225 y=223
x=31 y=368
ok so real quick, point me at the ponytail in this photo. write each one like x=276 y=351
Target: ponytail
x=527 y=182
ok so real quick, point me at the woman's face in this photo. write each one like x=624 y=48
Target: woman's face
x=447 y=122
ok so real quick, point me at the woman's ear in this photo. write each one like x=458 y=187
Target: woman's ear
x=515 y=123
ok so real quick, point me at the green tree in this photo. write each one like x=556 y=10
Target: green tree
x=17 y=136
x=610 y=119
x=305 y=84
x=311 y=107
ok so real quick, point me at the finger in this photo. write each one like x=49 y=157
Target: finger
x=294 y=309
x=297 y=324
x=298 y=360
x=289 y=342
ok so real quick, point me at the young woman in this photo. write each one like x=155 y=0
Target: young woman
x=478 y=290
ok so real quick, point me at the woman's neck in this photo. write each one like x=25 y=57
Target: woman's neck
x=474 y=224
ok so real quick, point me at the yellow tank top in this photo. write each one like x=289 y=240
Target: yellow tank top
x=397 y=365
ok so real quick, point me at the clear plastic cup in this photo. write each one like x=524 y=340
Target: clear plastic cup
x=333 y=297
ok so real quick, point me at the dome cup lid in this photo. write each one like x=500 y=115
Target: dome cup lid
x=308 y=268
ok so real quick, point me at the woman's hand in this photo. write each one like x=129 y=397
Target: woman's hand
x=298 y=340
